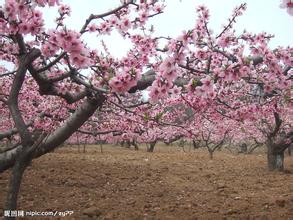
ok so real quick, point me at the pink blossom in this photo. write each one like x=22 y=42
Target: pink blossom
x=53 y=2
x=288 y=4
x=207 y=82
x=48 y=50
x=158 y=8
x=105 y=28
x=113 y=21
x=10 y=8
x=125 y=24
x=40 y=2
x=64 y=10
x=49 y=2
x=143 y=17
x=92 y=27
x=125 y=80
x=154 y=94
x=176 y=91
x=225 y=40
x=167 y=69
x=24 y=28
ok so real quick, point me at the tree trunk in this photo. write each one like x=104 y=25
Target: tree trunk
x=151 y=148
x=128 y=144
x=211 y=154
x=243 y=148
x=195 y=145
x=135 y=145
x=275 y=158
x=276 y=161
x=14 y=186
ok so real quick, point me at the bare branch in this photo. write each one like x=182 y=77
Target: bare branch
x=8 y=73
x=9 y=148
x=96 y=133
x=48 y=66
x=18 y=80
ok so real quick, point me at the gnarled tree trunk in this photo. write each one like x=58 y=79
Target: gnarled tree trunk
x=277 y=143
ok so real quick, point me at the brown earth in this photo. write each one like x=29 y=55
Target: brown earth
x=167 y=184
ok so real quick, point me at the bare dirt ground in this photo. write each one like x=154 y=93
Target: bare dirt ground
x=167 y=184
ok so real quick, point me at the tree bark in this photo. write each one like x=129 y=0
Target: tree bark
x=275 y=158
x=276 y=161
x=276 y=148
x=195 y=145
x=135 y=145
x=243 y=148
x=14 y=185
x=151 y=147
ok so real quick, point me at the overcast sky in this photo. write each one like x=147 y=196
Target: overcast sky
x=261 y=15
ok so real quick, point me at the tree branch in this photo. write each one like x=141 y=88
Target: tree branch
x=24 y=61
x=92 y=16
x=60 y=135
x=278 y=122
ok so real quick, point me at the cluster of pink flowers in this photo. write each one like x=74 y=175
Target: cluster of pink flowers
x=144 y=45
x=123 y=22
x=175 y=91
x=200 y=30
x=167 y=69
x=205 y=91
x=163 y=85
x=70 y=42
x=159 y=89
x=124 y=81
x=21 y=18
x=226 y=40
x=44 y=2
x=231 y=72
x=64 y=10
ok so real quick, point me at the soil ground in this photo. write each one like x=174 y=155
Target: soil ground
x=167 y=184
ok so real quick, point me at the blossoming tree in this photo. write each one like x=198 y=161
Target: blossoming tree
x=58 y=82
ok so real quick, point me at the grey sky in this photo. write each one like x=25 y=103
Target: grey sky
x=261 y=15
